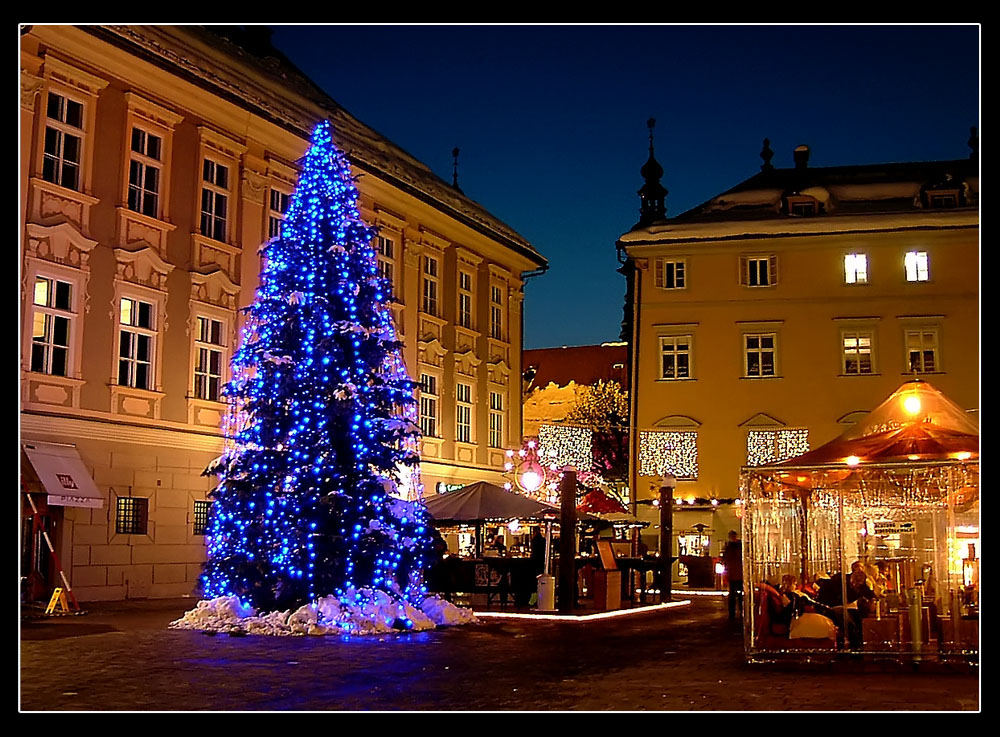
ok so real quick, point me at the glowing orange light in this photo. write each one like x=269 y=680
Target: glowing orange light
x=852 y=461
x=913 y=458
x=964 y=455
x=912 y=404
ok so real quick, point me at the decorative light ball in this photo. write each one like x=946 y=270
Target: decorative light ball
x=911 y=404
x=852 y=461
x=531 y=480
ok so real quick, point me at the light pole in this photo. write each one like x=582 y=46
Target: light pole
x=667 y=484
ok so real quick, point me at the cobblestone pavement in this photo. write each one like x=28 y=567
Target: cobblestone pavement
x=123 y=657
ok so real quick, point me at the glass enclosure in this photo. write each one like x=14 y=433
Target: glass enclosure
x=898 y=542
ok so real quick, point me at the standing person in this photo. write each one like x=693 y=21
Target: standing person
x=732 y=559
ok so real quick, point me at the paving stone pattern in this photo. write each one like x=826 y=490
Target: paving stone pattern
x=122 y=657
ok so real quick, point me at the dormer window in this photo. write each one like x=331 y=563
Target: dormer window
x=801 y=205
x=941 y=199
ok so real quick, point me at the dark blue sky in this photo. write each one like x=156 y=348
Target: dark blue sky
x=551 y=121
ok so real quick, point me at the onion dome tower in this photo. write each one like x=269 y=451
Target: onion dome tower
x=652 y=194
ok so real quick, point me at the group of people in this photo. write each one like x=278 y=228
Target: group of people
x=825 y=595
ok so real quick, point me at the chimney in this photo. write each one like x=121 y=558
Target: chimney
x=801 y=156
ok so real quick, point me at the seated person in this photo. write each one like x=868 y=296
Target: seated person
x=860 y=603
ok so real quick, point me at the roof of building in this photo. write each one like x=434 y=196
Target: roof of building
x=583 y=364
x=366 y=148
x=895 y=187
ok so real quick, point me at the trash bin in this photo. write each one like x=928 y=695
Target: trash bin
x=546 y=593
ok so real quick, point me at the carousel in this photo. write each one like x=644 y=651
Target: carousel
x=868 y=545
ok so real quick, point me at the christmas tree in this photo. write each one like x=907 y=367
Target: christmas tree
x=321 y=429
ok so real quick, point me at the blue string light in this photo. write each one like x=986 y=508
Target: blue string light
x=320 y=429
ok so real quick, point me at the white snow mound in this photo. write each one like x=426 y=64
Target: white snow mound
x=357 y=612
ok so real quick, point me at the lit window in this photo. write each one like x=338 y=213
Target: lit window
x=463 y=412
x=201 y=512
x=857 y=352
x=430 y=291
x=496 y=420
x=51 y=325
x=428 y=405
x=208 y=359
x=675 y=354
x=135 y=343
x=144 y=173
x=856 y=268
x=759 y=354
x=63 y=141
x=214 y=199
x=916 y=266
x=922 y=351
x=131 y=515
x=277 y=207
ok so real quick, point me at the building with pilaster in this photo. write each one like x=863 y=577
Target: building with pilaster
x=154 y=163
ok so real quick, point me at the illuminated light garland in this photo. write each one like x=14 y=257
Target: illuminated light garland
x=320 y=435
x=565 y=445
x=772 y=446
x=662 y=451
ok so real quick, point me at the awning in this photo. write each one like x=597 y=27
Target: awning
x=63 y=475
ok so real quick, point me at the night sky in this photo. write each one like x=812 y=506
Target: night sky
x=551 y=121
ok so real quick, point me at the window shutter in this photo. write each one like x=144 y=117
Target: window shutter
x=658 y=272
x=772 y=269
x=744 y=271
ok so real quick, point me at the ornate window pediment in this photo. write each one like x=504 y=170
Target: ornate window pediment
x=143 y=266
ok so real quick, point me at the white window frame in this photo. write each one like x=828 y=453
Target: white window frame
x=669 y=346
x=464 y=412
x=276 y=216
x=205 y=348
x=50 y=313
x=916 y=265
x=760 y=351
x=466 y=299
x=216 y=190
x=385 y=254
x=137 y=332
x=496 y=312
x=921 y=347
x=858 y=335
x=856 y=268
x=145 y=162
x=62 y=128
x=430 y=285
x=750 y=270
x=675 y=278
x=429 y=399
x=497 y=420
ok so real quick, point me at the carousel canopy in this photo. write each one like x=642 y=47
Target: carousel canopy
x=483 y=501
x=916 y=423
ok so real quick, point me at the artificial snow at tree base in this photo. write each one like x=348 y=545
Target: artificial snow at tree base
x=363 y=612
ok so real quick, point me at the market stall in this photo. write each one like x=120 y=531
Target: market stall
x=868 y=544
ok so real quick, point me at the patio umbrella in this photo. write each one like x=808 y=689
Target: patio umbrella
x=483 y=501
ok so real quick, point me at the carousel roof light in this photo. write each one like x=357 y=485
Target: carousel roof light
x=852 y=460
x=911 y=404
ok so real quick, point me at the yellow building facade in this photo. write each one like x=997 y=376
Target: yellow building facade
x=770 y=318
x=154 y=163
